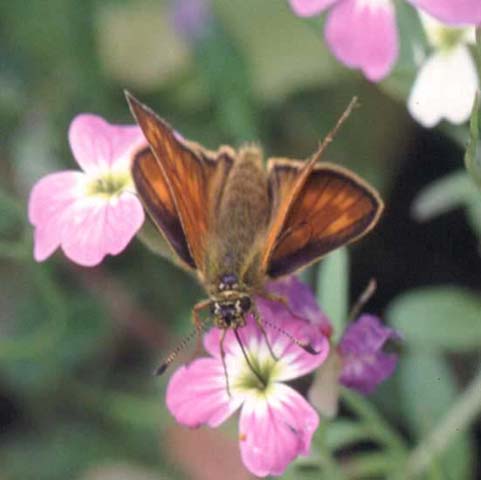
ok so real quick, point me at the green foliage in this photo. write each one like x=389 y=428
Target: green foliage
x=438 y=317
x=472 y=158
x=428 y=391
x=333 y=289
x=452 y=191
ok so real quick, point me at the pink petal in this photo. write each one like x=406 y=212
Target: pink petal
x=294 y=360
x=197 y=395
x=50 y=199
x=98 y=146
x=275 y=431
x=362 y=34
x=308 y=8
x=454 y=12
x=231 y=347
x=97 y=226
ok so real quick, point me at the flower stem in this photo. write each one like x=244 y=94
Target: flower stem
x=375 y=424
x=459 y=417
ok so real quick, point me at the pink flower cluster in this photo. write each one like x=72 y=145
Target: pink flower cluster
x=363 y=33
x=276 y=423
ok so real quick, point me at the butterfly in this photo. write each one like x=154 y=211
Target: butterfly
x=237 y=224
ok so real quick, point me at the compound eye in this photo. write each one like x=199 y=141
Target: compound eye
x=213 y=307
x=245 y=303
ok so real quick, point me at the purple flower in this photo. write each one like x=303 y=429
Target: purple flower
x=276 y=423
x=358 y=362
x=95 y=212
x=364 y=363
x=301 y=301
x=363 y=33
x=192 y=18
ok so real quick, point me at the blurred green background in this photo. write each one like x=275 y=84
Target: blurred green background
x=78 y=345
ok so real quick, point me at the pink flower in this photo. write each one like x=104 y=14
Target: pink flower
x=276 y=423
x=363 y=33
x=95 y=212
x=452 y=12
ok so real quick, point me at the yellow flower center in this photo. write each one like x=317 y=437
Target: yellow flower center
x=450 y=37
x=260 y=380
x=109 y=185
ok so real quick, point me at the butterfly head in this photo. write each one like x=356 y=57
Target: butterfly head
x=230 y=305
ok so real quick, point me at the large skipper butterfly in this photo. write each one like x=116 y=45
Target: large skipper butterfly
x=237 y=224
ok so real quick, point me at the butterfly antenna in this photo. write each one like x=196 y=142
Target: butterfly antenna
x=224 y=364
x=304 y=345
x=330 y=136
x=246 y=356
x=363 y=299
x=173 y=355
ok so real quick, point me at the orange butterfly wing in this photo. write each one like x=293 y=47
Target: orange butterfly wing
x=317 y=208
x=155 y=194
x=193 y=179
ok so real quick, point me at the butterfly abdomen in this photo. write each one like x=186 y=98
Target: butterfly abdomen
x=242 y=215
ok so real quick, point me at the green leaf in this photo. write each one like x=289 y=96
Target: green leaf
x=477 y=49
x=473 y=212
x=428 y=390
x=333 y=289
x=438 y=317
x=341 y=433
x=472 y=158
x=449 y=192
x=223 y=67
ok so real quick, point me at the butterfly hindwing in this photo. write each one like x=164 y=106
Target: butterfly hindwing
x=331 y=207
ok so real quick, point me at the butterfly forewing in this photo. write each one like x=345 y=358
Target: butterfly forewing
x=331 y=208
x=193 y=180
x=155 y=194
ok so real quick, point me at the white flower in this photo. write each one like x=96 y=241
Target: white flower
x=447 y=81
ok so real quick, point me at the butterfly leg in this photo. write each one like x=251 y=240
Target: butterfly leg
x=258 y=320
x=277 y=298
x=222 y=356
x=272 y=297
